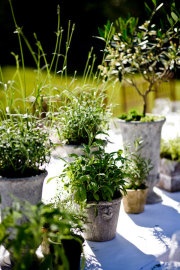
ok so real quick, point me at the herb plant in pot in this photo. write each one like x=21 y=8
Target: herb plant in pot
x=137 y=171
x=170 y=164
x=82 y=119
x=43 y=241
x=95 y=181
x=24 y=153
x=151 y=52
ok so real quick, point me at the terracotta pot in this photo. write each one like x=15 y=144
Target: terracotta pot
x=150 y=134
x=102 y=220
x=134 y=201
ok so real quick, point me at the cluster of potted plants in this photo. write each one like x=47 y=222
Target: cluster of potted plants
x=151 y=51
x=97 y=181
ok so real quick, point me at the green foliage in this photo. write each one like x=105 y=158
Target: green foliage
x=137 y=169
x=24 y=146
x=40 y=222
x=133 y=115
x=149 y=50
x=94 y=176
x=83 y=116
x=48 y=70
x=170 y=149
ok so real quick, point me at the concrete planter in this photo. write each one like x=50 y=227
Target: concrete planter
x=102 y=220
x=28 y=188
x=169 y=175
x=134 y=201
x=150 y=134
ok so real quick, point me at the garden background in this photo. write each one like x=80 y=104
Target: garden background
x=40 y=17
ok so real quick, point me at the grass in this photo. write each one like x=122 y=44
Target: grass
x=18 y=86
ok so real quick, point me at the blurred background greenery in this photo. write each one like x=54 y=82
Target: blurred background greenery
x=37 y=16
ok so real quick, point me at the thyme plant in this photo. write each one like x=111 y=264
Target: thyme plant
x=25 y=147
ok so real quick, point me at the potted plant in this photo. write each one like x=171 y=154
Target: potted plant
x=25 y=151
x=50 y=238
x=82 y=119
x=137 y=170
x=95 y=181
x=152 y=52
x=170 y=164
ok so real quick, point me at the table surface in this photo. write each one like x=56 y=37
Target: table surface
x=142 y=240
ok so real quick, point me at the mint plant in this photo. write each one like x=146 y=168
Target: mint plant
x=95 y=176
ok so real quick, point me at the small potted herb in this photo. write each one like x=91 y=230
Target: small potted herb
x=137 y=170
x=170 y=164
x=82 y=119
x=24 y=153
x=95 y=181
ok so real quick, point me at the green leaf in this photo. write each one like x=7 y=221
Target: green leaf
x=174 y=16
x=96 y=196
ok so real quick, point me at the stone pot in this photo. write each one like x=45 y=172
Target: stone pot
x=135 y=200
x=150 y=134
x=169 y=175
x=28 y=188
x=102 y=219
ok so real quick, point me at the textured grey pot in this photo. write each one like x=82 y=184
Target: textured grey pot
x=102 y=220
x=28 y=188
x=169 y=175
x=150 y=134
